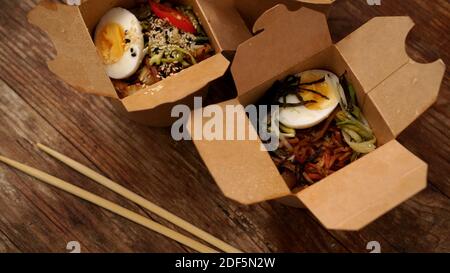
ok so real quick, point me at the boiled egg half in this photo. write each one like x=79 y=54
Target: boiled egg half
x=120 y=43
x=324 y=94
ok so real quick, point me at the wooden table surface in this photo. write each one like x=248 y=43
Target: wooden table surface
x=35 y=106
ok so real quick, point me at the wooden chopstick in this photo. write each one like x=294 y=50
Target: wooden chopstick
x=140 y=201
x=99 y=201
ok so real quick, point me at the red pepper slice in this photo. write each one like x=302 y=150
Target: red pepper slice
x=175 y=18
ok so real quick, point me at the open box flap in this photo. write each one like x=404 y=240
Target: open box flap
x=226 y=26
x=367 y=188
x=240 y=168
x=399 y=89
x=293 y=36
x=77 y=61
x=251 y=10
x=376 y=49
x=178 y=86
x=408 y=93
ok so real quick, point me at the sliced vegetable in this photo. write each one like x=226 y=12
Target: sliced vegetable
x=354 y=135
x=358 y=127
x=175 y=18
x=288 y=132
x=156 y=59
x=187 y=10
x=343 y=100
x=185 y=52
x=172 y=54
x=352 y=124
x=352 y=94
x=201 y=40
x=360 y=147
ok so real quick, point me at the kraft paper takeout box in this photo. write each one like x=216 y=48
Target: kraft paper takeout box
x=251 y=10
x=70 y=28
x=392 y=89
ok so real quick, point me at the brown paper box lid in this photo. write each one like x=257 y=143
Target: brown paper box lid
x=408 y=93
x=377 y=49
x=251 y=10
x=226 y=26
x=77 y=61
x=179 y=86
x=367 y=188
x=285 y=36
x=398 y=87
x=240 y=168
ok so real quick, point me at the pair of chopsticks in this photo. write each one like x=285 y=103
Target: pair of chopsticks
x=128 y=214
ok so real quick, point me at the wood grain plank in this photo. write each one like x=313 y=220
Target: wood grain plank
x=171 y=174
x=353 y=241
x=62 y=218
x=143 y=159
x=6 y=246
x=422 y=224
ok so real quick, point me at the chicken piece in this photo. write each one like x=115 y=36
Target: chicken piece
x=125 y=89
x=203 y=52
x=148 y=74
x=145 y=77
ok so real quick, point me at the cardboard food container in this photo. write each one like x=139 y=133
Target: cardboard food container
x=392 y=89
x=70 y=28
x=251 y=10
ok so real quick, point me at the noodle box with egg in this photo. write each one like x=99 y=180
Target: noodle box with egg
x=391 y=88
x=71 y=29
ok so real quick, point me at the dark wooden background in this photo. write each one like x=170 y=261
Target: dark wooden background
x=35 y=106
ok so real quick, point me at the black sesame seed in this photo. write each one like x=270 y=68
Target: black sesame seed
x=127 y=41
x=133 y=55
x=132 y=50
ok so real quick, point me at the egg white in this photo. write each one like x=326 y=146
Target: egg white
x=127 y=65
x=301 y=117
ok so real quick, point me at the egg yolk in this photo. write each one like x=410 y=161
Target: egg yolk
x=110 y=42
x=322 y=88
